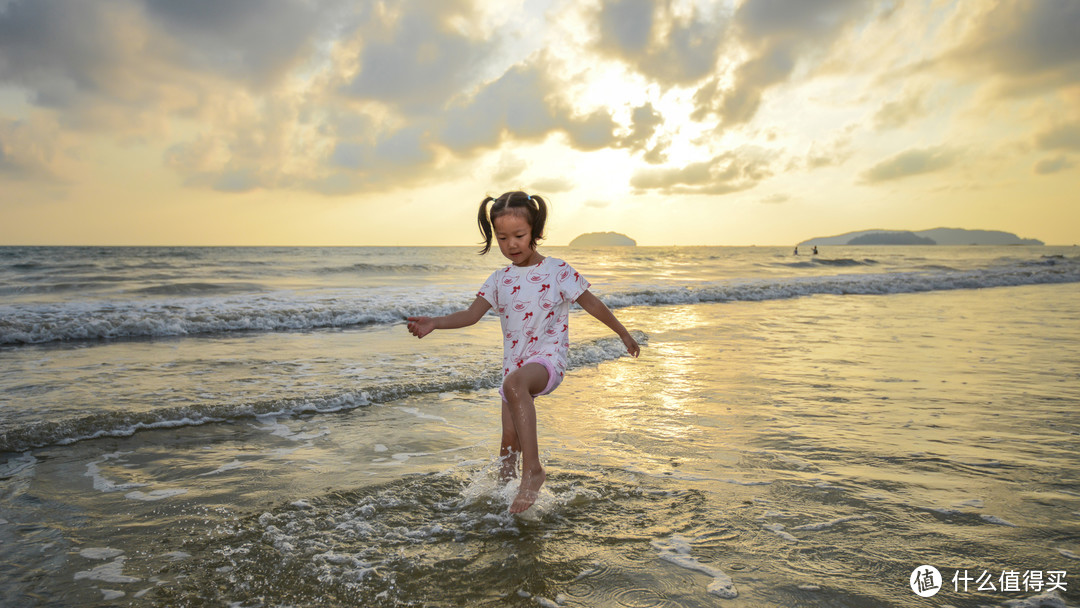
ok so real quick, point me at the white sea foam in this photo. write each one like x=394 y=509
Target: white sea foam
x=778 y=529
x=121 y=424
x=998 y=521
x=104 y=484
x=112 y=572
x=676 y=549
x=100 y=553
x=175 y=312
x=974 y=503
x=231 y=466
x=416 y=412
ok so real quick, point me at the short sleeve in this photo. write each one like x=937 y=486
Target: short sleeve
x=571 y=284
x=489 y=290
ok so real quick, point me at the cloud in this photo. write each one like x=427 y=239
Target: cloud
x=775 y=199
x=894 y=114
x=1060 y=137
x=519 y=104
x=417 y=57
x=258 y=41
x=725 y=173
x=659 y=42
x=831 y=152
x=1049 y=166
x=1031 y=47
x=909 y=163
x=509 y=167
x=31 y=151
x=775 y=34
x=552 y=185
x=111 y=62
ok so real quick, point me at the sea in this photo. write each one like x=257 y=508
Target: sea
x=255 y=427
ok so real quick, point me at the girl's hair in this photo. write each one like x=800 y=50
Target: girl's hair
x=532 y=208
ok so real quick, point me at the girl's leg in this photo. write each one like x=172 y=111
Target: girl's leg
x=510 y=447
x=519 y=388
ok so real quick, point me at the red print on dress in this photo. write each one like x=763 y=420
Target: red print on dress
x=509 y=278
x=535 y=276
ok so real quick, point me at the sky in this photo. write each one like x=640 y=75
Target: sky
x=676 y=122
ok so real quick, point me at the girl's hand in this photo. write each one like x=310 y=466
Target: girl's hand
x=631 y=345
x=421 y=326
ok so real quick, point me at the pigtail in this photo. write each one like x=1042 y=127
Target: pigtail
x=538 y=218
x=485 y=225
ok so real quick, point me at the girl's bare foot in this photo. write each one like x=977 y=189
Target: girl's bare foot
x=529 y=489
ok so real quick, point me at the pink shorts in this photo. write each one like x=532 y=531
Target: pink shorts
x=554 y=379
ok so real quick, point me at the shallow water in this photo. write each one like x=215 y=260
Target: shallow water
x=797 y=451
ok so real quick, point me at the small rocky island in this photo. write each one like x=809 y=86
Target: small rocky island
x=603 y=239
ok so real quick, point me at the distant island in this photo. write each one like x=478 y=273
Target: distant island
x=936 y=236
x=603 y=239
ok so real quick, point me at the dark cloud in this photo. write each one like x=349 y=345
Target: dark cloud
x=658 y=43
x=255 y=40
x=910 y=162
x=626 y=26
x=515 y=103
x=728 y=172
x=417 y=58
x=643 y=120
x=519 y=105
x=777 y=33
x=1049 y=166
x=142 y=55
x=1061 y=137
x=62 y=51
x=1033 y=46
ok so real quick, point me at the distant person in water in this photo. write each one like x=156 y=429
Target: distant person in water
x=532 y=296
x=796 y=252
x=815 y=250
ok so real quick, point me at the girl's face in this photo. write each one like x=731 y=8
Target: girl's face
x=515 y=237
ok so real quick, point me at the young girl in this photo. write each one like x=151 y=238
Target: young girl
x=532 y=296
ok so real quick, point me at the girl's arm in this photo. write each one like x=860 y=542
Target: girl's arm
x=598 y=309
x=422 y=326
